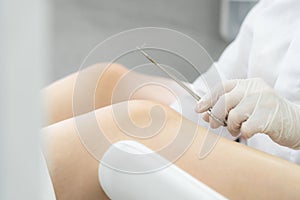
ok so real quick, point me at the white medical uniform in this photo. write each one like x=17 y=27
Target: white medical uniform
x=268 y=46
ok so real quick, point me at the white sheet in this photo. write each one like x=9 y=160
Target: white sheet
x=168 y=183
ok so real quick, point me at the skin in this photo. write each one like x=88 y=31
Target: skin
x=100 y=82
x=232 y=169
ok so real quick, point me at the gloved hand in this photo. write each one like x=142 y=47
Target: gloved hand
x=251 y=106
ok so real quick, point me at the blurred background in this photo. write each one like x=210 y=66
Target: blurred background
x=80 y=25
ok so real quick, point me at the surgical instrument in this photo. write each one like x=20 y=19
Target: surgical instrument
x=180 y=83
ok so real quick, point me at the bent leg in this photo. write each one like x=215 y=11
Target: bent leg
x=98 y=85
x=232 y=169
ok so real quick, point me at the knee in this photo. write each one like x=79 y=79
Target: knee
x=110 y=69
x=116 y=68
x=104 y=71
x=107 y=76
x=138 y=113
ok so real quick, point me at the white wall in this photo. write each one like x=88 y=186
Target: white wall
x=79 y=25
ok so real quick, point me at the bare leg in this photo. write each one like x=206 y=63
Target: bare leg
x=101 y=79
x=234 y=170
x=58 y=104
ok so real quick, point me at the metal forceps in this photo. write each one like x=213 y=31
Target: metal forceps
x=181 y=84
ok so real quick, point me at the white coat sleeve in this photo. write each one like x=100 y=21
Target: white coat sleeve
x=233 y=63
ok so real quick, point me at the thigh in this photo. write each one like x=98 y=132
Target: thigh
x=84 y=84
x=232 y=169
x=101 y=85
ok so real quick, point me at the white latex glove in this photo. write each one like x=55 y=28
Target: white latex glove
x=251 y=106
